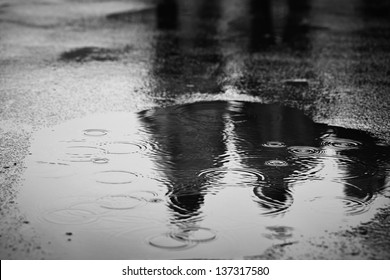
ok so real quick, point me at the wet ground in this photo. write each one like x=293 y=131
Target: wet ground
x=194 y=129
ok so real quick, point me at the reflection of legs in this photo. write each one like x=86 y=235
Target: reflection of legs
x=261 y=25
x=186 y=206
x=273 y=198
x=296 y=29
x=167 y=14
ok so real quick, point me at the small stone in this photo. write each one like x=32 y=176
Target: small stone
x=69 y=233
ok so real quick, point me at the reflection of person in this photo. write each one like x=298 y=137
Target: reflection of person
x=167 y=15
x=187 y=62
x=296 y=29
x=194 y=138
x=272 y=124
x=262 y=30
x=191 y=139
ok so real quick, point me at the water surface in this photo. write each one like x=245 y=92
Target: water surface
x=220 y=179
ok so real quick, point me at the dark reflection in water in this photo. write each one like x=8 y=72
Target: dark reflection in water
x=186 y=50
x=193 y=140
x=167 y=15
x=210 y=46
x=297 y=28
x=271 y=149
x=262 y=31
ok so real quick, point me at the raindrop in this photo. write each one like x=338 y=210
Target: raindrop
x=276 y=163
x=100 y=160
x=145 y=195
x=70 y=216
x=274 y=144
x=303 y=150
x=195 y=234
x=123 y=147
x=166 y=241
x=82 y=153
x=341 y=144
x=115 y=177
x=233 y=176
x=95 y=132
x=353 y=206
x=119 y=202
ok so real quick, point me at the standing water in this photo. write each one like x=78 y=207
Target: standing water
x=203 y=180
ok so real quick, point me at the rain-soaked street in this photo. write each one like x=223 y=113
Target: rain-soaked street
x=194 y=129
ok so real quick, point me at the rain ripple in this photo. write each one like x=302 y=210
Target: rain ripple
x=123 y=147
x=185 y=238
x=274 y=144
x=70 y=216
x=95 y=132
x=303 y=150
x=341 y=144
x=116 y=177
x=273 y=200
x=233 y=176
x=120 y=202
x=276 y=163
x=82 y=153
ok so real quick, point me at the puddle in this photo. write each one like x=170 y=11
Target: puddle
x=204 y=180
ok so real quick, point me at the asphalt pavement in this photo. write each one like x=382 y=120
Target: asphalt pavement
x=66 y=59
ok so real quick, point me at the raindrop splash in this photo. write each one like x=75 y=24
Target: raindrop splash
x=232 y=176
x=274 y=144
x=100 y=160
x=70 y=216
x=82 y=153
x=115 y=177
x=168 y=242
x=95 y=132
x=123 y=148
x=195 y=234
x=276 y=163
x=303 y=150
x=119 y=202
x=341 y=144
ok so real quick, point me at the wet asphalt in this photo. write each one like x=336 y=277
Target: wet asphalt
x=65 y=59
